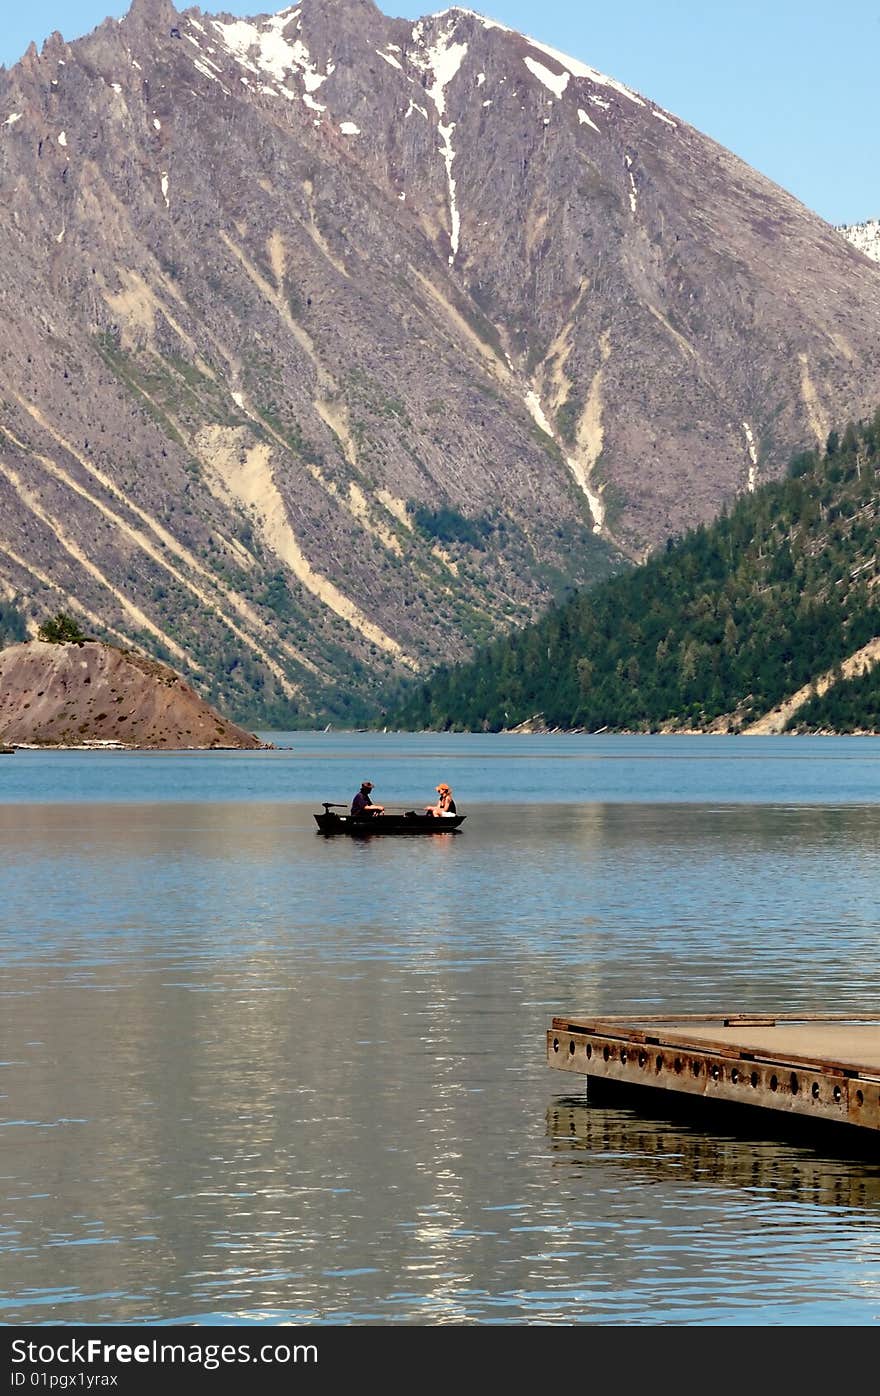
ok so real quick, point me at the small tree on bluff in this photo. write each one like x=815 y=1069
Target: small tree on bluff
x=61 y=629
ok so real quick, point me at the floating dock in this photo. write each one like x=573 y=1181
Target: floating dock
x=824 y=1067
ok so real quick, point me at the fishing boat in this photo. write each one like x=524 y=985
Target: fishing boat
x=406 y=822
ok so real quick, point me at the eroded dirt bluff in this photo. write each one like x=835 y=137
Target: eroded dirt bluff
x=68 y=695
x=332 y=344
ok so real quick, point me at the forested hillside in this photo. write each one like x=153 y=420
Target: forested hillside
x=721 y=627
x=850 y=705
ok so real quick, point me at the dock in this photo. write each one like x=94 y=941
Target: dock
x=824 y=1067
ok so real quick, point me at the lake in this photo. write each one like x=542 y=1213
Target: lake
x=250 y=1075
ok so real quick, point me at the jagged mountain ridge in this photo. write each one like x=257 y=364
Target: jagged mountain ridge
x=333 y=343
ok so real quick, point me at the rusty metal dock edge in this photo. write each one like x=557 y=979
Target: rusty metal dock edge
x=657 y=1053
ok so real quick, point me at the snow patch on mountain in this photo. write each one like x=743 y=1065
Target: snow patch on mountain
x=583 y=70
x=441 y=62
x=573 y=66
x=753 y=457
x=266 y=50
x=633 y=194
x=203 y=68
x=554 y=82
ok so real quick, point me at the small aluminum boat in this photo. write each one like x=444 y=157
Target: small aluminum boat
x=409 y=822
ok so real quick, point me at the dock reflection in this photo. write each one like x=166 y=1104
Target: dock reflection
x=663 y=1148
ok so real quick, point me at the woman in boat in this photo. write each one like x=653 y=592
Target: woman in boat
x=445 y=803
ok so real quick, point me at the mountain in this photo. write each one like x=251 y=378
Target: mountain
x=95 y=694
x=333 y=345
x=769 y=619
x=864 y=236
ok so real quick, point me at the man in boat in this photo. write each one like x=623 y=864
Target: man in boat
x=445 y=803
x=362 y=804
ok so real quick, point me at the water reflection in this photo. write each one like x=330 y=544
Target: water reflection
x=646 y=1141
x=712 y=1229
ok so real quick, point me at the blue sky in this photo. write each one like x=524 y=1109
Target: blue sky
x=790 y=87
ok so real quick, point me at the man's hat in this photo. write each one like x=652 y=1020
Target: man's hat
x=366 y=785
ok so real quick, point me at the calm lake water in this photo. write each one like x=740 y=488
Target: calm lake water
x=252 y=1075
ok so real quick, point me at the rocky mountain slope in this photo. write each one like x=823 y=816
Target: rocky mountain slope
x=333 y=344
x=95 y=694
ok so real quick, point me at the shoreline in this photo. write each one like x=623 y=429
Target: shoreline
x=609 y=732
x=101 y=746
x=8 y=749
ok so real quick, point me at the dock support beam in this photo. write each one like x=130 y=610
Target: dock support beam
x=746 y=1060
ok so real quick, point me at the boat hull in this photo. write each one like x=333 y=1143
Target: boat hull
x=385 y=824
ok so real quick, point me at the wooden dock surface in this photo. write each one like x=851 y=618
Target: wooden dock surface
x=824 y=1066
